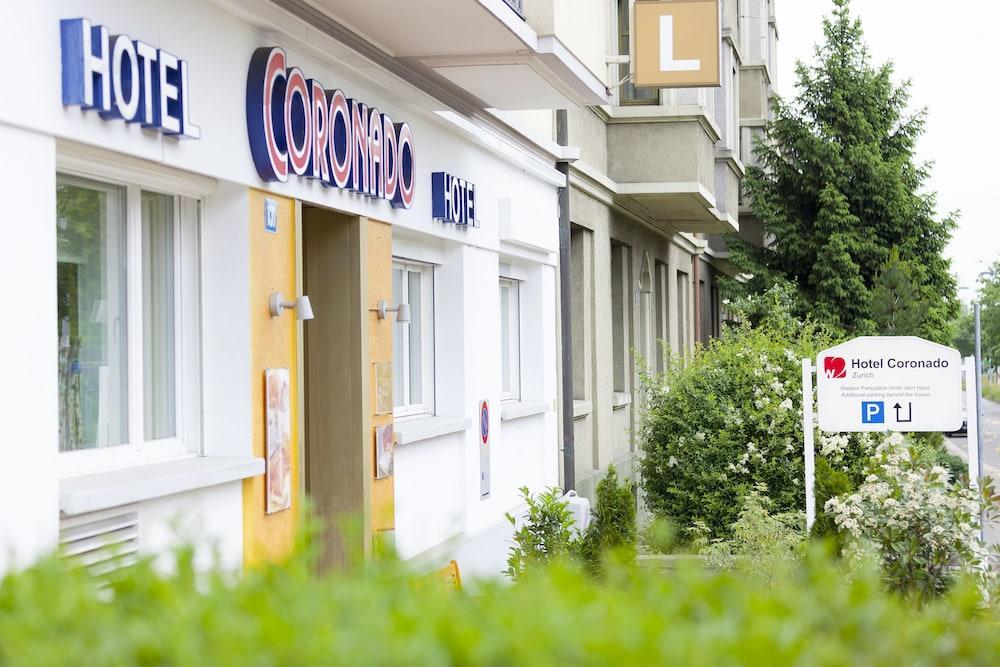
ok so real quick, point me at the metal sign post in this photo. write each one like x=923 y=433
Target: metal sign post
x=809 y=435
x=972 y=420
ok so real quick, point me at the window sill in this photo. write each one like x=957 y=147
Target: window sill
x=113 y=488
x=424 y=428
x=621 y=400
x=582 y=409
x=511 y=410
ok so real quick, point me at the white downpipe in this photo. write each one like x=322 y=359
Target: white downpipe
x=809 y=446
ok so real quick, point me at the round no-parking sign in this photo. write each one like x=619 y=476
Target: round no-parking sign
x=484 y=422
x=484 y=449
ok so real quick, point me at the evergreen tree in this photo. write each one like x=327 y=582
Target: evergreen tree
x=965 y=332
x=837 y=188
x=896 y=304
x=989 y=300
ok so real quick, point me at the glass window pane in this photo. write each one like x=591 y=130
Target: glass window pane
x=398 y=343
x=627 y=92
x=93 y=390
x=505 y=336
x=158 y=344
x=416 y=339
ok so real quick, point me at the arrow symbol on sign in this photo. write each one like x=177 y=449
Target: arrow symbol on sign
x=909 y=418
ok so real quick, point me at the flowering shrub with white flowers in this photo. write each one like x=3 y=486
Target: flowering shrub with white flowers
x=922 y=529
x=725 y=421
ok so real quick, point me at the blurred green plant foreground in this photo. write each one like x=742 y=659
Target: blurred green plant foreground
x=815 y=614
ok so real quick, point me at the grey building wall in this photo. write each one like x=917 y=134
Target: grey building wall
x=645 y=275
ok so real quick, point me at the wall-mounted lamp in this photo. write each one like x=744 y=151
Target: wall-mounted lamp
x=402 y=311
x=303 y=309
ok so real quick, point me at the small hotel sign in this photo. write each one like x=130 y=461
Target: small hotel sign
x=677 y=44
x=453 y=200
x=125 y=78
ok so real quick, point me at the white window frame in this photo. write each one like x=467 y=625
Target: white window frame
x=425 y=406
x=512 y=374
x=187 y=325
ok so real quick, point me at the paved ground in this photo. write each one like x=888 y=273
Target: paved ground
x=991 y=454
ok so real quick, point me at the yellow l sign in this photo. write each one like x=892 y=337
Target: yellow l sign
x=677 y=43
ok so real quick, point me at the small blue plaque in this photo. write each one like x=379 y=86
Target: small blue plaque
x=270 y=216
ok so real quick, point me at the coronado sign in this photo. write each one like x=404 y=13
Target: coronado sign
x=296 y=126
x=891 y=383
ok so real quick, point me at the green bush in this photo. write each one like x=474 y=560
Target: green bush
x=763 y=545
x=612 y=529
x=545 y=536
x=830 y=483
x=921 y=529
x=991 y=390
x=725 y=422
x=290 y=616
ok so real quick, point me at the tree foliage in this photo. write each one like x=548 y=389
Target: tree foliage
x=989 y=299
x=612 y=529
x=838 y=188
x=727 y=421
x=897 y=307
x=815 y=616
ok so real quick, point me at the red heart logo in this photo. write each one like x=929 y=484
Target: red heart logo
x=835 y=367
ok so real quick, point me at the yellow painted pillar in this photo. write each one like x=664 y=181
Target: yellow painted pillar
x=380 y=352
x=274 y=344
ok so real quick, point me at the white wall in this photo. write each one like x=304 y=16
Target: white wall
x=29 y=494
x=210 y=519
x=437 y=480
x=225 y=279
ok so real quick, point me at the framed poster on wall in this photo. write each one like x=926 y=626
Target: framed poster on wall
x=384 y=457
x=278 y=439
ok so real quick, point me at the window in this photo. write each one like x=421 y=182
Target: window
x=510 y=340
x=413 y=341
x=627 y=92
x=703 y=308
x=683 y=324
x=662 y=316
x=582 y=309
x=119 y=298
x=716 y=313
x=621 y=315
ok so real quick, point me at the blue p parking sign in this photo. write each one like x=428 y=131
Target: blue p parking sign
x=873 y=412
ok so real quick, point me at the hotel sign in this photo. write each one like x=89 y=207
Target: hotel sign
x=453 y=200
x=889 y=383
x=298 y=127
x=677 y=44
x=125 y=79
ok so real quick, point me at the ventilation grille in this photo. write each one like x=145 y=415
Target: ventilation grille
x=103 y=542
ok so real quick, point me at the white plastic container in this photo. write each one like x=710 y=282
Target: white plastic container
x=580 y=508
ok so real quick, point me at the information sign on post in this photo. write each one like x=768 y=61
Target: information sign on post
x=889 y=383
x=886 y=383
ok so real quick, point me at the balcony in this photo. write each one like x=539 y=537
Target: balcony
x=755 y=92
x=663 y=162
x=483 y=47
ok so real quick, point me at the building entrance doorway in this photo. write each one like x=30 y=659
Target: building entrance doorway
x=335 y=366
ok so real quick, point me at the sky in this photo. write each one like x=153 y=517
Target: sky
x=948 y=51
